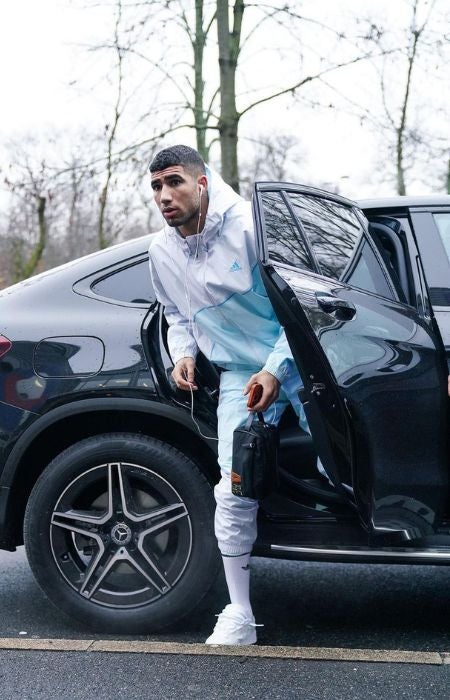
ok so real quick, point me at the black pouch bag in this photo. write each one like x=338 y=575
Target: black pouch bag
x=255 y=469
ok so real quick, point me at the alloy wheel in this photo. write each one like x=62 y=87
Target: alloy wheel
x=121 y=535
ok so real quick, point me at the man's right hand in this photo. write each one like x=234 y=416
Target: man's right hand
x=183 y=374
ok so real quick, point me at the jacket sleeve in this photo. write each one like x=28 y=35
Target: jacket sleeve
x=280 y=361
x=180 y=336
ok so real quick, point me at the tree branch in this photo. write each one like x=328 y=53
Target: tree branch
x=308 y=79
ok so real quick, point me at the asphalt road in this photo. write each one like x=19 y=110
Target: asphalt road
x=301 y=604
x=48 y=675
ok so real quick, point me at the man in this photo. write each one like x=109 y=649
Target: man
x=205 y=273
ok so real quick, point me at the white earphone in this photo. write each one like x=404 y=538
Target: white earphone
x=200 y=190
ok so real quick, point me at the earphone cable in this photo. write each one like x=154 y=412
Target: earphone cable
x=196 y=423
x=189 y=330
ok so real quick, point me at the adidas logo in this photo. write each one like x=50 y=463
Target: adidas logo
x=235 y=267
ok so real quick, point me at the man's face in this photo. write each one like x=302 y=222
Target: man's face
x=176 y=192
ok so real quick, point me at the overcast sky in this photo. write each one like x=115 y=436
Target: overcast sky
x=36 y=60
x=41 y=53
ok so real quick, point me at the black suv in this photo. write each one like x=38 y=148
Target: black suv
x=108 y=480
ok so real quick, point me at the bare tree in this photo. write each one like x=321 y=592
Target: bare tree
x=50 y=205
x=105 y=237
x=406 y=116
x=231 y=41
x=181 y=32
x=400 y=125
x=229 y=48
x=269 y=160
x=27 y=230
x=198 y=39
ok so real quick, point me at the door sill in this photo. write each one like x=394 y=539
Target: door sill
x=393 y=555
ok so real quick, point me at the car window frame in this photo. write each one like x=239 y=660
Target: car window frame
x=84 y=286
x=436 y=270
x=283 y=189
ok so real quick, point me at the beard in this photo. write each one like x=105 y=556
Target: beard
x=184 y=219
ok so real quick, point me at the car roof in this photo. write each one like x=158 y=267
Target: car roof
x=404 y=202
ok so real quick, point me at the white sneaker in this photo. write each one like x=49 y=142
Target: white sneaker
x=235 y=625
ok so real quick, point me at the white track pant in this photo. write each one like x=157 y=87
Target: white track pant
x=235 y=520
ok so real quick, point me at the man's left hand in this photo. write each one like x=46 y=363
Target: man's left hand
x=271 y=389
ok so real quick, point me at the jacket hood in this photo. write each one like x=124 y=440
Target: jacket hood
x=221 y=198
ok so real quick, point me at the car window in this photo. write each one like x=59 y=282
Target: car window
x=131 y=284
x=318 y=235
x=443 y=224
x=333 y=231
x=365 y=272
x=285 y=242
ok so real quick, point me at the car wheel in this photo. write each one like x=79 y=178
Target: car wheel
x=119 y=533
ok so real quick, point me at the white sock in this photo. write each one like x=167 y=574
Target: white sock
x=237 y=574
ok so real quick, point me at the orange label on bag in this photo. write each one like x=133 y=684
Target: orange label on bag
x=235 y=478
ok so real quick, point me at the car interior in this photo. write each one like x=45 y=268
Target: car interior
x=390 y=241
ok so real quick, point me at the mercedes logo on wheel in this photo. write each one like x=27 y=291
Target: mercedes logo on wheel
x=121 y=534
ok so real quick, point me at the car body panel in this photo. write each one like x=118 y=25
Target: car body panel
x=416 y=216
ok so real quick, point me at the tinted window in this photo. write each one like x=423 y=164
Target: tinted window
x=131 y=284
x=334 y=234
x=333 y=231
x=284 y=239
x=443 y=224
x=366 y=273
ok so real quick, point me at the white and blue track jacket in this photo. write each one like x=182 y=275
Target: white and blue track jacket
x=212 y=291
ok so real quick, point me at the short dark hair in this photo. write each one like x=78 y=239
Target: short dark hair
x=178 y=155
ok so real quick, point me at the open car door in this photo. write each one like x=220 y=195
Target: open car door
x=373 y=367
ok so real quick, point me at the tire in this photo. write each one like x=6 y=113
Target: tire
x=119 y=534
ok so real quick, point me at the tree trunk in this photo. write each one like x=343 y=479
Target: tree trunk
x=103 y=239
x=229 y=45
x=25 y=268
x=401 y=185
x=401 y=130
x=18 y=262
x=198 y=46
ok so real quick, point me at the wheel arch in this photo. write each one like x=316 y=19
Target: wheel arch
x=53 y=432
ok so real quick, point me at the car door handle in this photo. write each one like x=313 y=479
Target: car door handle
x=343 y=309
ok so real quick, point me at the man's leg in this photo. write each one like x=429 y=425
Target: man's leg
x=235 y=519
